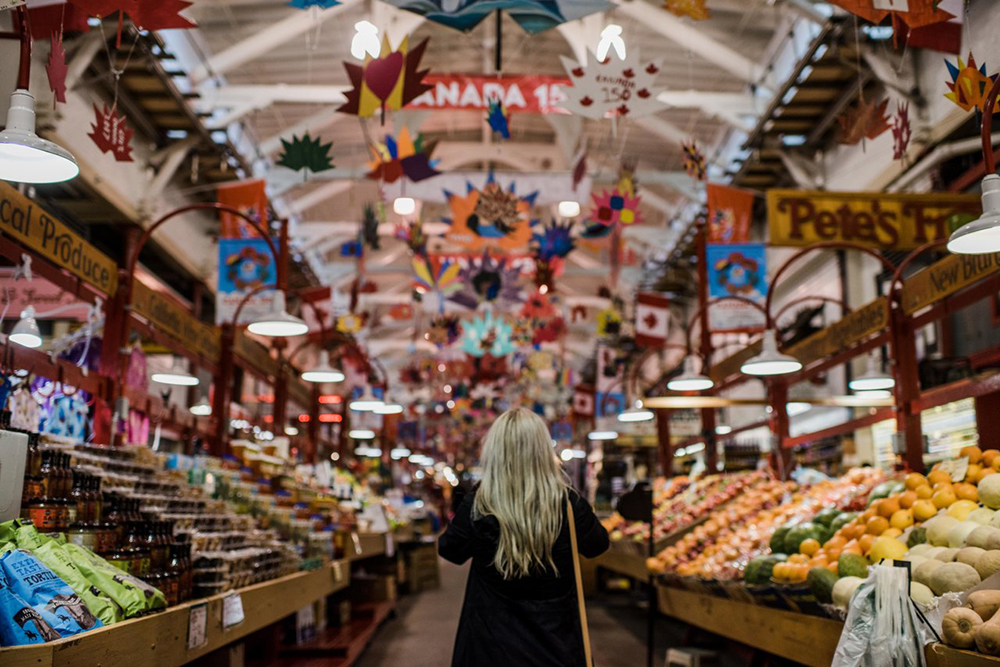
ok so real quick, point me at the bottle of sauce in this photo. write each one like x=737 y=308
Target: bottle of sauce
x=136 y=550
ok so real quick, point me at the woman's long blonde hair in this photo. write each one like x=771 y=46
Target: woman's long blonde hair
x=523 y=487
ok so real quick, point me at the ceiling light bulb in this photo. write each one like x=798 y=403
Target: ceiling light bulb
x=983 y=234
x=176 y=376
x=278 y=323
x=723 y=430
x=365 y=40
x=602 y=435
x=362 y=434
x=635 y=415
x=611 y=36
x=569 y=209
x=404 y=206
x=24 y=156
x=201 y=408
x=689 y=380
x=26 y=332
x=323 y=371
x=388 y=409
x=871 y=379
x=770 y=361
x=366 y=402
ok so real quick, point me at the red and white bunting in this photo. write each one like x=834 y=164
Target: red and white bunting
x=652 y=319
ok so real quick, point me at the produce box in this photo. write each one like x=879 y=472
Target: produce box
x=735 y=590
x=373 y=589
x=715 y=587
x=801 y=599
x=769 y=596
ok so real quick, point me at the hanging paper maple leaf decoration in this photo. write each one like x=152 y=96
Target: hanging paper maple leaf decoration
x=694 y=160
x=970 y=86
x=914 y=13
x=369 y=226
x=901 y=131
x=145 y=14
x=306 y=153
x=56 y=69
x=388 y=82
x=613 y=87
x=396 y=158
x=579 y=170
x=111 y=134
x=693 y=9
x=865 y=121
x=498 y=117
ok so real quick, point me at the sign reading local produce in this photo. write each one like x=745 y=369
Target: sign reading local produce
x=526 y=93
x=946 y=277
x=255 y=354
x=173 y=319
x=883 y=221
x=26 y=221
x=843 y=333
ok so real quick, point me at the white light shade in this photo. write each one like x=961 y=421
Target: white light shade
x=797 y=408
x=365 y=403
x=24 y=156
x=278 y=323
x=770 y=361
x=635 y=415
x=689 y=380
x=26 y=332
x=871 y=379
x=371 y=452
x=201 y=408
x=723 y=430
x=362 y=434
x=602 y=435
x=873 y=393
x=323 y=371
x=388 y=409
x=404 y=206
x=982 y=235
x=365 y=40
x=569 y=209
x=291 y=430
x=175 y=376
x=398 y=453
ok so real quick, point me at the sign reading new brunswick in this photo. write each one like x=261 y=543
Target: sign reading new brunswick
x=879 y=220
x=26 y=221
x=176 y=322
x=945 y=277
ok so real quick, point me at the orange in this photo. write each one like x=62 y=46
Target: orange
x=833 y=567
x=854 y=531
x=943 y=497
x=888 y=506
x=818 y=561
x=966 y=491
x=835 y=542
x=866 y=543
x=852 y=549
x=892 y=532
x=902 y=519
x=833 y=554
x=996 y=463
x=924 y=510
x=924 y=492
x=943 y=485
x=876 y=525
x=984 y=473
x=907 y=498
x=972 y=452
x=915 y=479
x=989 y=456
x=937 y=476
x=809 y=547
x=972 y=472
x=869 y=513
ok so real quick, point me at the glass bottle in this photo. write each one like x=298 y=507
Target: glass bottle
x=138 y=553
x=78 y=501
x=173 y=574
x=158 y=552
x=95 y=501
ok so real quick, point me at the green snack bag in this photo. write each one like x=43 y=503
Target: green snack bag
x=27 y=537
x=133 y=595
x=10 y=546
x=56 y=559
x=9 y=528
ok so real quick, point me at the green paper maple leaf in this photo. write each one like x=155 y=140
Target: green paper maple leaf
x=306 y=153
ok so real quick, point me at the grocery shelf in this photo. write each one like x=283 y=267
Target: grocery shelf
x=368 y=545
x=342 y=646
x=939 y=655
x=161 y=639
x=623 y=562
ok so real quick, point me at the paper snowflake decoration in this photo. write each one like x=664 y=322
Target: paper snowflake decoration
x=694 y=160
x=492 y=217
x=609 y=323
x=554 y=241
x=498 y=117
x=693 y=9
x=901 y=131
x=388 y=82
x=487 y=335
x=538 y=306
x=488 y=280
x=306 y=153
x=970 y=86
x=111 y=134
x=444 y=330
x=613 y=87
x=55 y=70
x=403 y=157
x=865 y=121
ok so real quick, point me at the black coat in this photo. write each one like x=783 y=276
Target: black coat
x=525 y=622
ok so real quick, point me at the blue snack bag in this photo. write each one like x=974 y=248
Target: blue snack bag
x=20 y=624
x=47 y=593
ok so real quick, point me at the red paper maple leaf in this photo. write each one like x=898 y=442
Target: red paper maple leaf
x=652 y=69
x=145 y=14
x=628 y=73
x=111 y=134
x=865 y=121
x=56 y=69
x=577 y=71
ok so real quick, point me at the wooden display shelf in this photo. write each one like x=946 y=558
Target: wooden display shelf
x=939 y=655
x=371 y=544
x=341 y=646
x=161 y=639
x=623 y=562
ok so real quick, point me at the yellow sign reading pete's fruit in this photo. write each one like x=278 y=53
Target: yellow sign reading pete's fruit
x=882 y=221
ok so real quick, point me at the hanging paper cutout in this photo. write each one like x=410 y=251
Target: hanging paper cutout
x=388 y=82
x=533 y=15
x=865 y=121
x=555 y=241
x=436 y=276
x=349 y=323
x=538 y=307
x=351 y=249
x=487 y=335
x=614 y=208
x=694 y=160
x=412 y=233
x=306 y=4
x=145 y=14
x=488 y=280
x=609 y=322
x=401 y=312
x=498 y=117
x=369 y=226
x=491 y=217
x=970 y=86
x=693 y=9
x=444 y=330
x=56 y=68
x=396 y=158
x=111 y=134
x=579 y=171
x=901 y=131
x=613 y=87
x=914 y=13
x=551 y=331
x=306 y=153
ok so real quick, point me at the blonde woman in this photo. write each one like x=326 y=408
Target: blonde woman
x=520 y=601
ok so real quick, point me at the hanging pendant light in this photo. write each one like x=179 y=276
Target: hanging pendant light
x=982 y=235
x=366 y=402
x=602 y=435
x=26 y=332
x=202 y=408
x=689 y=380
x=278 y=323
x=24 y=156
x=362 y=434
x=176 y=376
x=770 y=361
x=636 y=413
x=323 y=371
x=871 y=379
x=388 y=407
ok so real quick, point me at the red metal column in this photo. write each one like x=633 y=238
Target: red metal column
x=663 y=437
x=907 y=392
x=707 y=414
x=223 y=381
x=777 y=395
x=280 y=411
x=313 y=430
x=988 y=420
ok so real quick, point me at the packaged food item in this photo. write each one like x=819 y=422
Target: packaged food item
x=100 y=604
x=20 y=623
x=133 y=595
x=42 y=589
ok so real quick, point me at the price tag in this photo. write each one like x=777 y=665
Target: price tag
x=357 y=543
x=957 y=468
x=390 y=545
x=232 y=610
x=197 y=626
x=338 y=573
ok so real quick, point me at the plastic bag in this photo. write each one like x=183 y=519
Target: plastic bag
x=882 y=627
x=20 y=623
x=48 y=594
x=133 y=595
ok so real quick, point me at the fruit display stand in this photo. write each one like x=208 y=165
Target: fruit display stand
x=367 y=545
x=162 y=638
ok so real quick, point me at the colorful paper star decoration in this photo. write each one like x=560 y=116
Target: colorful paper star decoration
x=306 y=153
x=694 y=160
x=970 y=86
x=614 y=87
x=444 y=330
x=693 y=9
x=487 y=335
x=491 y=217
x=111 y=134
x=402 y=157
x=55 y=70
x=914 y=13
x=488 y=280
x=865 y=121
x=555 y=241
x=538 y=307
x=388 y=82
x=901 y=131
x=498 y=117
x=437 y=276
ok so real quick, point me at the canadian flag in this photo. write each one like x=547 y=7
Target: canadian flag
x=652 y=319
x=583 y=400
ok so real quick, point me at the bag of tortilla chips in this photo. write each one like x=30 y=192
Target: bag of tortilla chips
x=133 y=595
x=20 y=623
x=48 y=594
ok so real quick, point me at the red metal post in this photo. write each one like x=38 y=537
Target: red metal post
x=313 y=429
x=707 y=414
x=663 y=438
x=777 y=395
x=907 y=392
x=223 y=382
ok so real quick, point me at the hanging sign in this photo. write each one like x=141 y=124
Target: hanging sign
x=244 y=265
x=24 y=220
x=731 y=364
x=255 y=354
x=300 y=393
x=879 y=220
x=248 y=197
x=173 y=319
x=531 y=93
x=943 y=278
x=845 y=332
x=736 y=269
x=44 y=296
